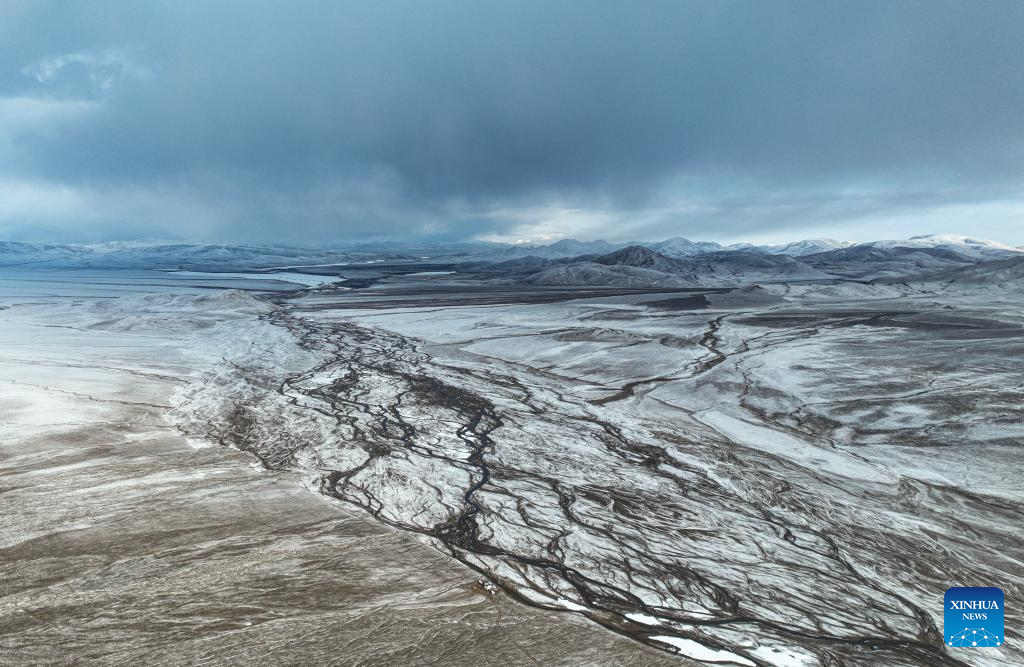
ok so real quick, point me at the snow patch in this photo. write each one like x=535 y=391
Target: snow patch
x=784 y=657
x=692 y=649
x=643 y=618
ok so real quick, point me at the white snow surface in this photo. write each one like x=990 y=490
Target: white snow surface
x=701 y=653
x=783 y=456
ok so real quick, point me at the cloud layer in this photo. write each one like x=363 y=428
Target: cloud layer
x=322 y=121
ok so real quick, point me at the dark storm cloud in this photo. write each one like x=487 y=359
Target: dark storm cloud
x=282 y=120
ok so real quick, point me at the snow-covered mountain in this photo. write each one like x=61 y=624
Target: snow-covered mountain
x=964 y=245
x=806 y=247
x=1005 y=273
x=677 y=255
x=556 y=250
x=632 y=266
x=639 y=257
x=677 y=246
x=635 y=265
x=638 y=266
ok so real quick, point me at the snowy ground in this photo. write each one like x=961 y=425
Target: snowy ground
x=761 y=480
x=787 y=476
x=124 y=540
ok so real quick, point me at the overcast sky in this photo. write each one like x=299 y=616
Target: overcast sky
x=314 y=122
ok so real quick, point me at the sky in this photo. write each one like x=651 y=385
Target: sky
x=320 y=122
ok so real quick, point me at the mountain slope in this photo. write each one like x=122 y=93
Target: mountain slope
x=640 y=257
x=1004 y=273
x=807 y=247
x=677 y=246
x=962 y=245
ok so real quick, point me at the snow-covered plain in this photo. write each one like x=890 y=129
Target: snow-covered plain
x=790 y=474
x=124 y=540
x=778 y=476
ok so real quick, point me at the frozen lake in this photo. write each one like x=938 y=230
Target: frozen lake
x=19 y=283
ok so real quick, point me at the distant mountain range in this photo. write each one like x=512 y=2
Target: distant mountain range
x=681 y=247
x=682 y=263
x=677 y=262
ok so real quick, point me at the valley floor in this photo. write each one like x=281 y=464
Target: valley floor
x=124 y=540
x=778 y=475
